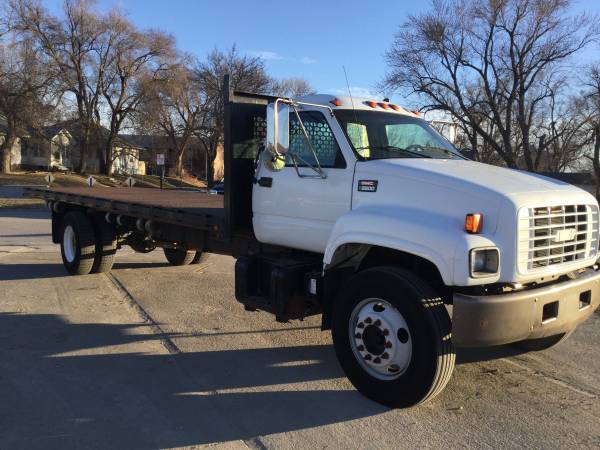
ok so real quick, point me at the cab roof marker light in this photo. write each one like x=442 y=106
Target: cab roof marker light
x=371 y=103
x=395 y=107
x=474 y=223
x=384 y=105
x=416 y=113
x=336 y=102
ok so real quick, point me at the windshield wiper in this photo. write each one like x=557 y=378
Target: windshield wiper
x=396 y=149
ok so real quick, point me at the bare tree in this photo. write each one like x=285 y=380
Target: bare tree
x=292 y=87
x=79 y=45
x=26 y=94
x=173 y=109
x=136 y=60
x=492 y=65
x=592 y=96
x=245 y=74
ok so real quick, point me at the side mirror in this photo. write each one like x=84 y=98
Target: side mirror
x=278 y=128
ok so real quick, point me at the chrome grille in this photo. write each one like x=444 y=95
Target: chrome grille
x=553 y=235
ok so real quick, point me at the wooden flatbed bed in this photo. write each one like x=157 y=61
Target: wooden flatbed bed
x=186 y=208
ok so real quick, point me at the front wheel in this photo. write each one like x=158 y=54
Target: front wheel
x=392 y=336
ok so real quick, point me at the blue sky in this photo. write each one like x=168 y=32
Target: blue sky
x=307 y=38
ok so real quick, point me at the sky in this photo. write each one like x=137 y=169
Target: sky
x=306 y=38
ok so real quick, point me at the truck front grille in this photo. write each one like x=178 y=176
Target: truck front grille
x=553 y=235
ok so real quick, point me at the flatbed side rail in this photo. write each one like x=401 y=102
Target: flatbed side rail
x=172 y=216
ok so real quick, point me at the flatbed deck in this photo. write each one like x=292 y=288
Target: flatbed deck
x=186 y=208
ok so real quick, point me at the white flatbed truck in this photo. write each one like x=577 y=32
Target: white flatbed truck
x=358 y=210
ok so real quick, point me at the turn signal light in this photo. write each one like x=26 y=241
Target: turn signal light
x=474 y=223
x=336 y=102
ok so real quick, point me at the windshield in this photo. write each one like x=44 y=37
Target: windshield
x=379 y=135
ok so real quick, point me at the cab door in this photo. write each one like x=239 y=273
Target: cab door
x=294 y=206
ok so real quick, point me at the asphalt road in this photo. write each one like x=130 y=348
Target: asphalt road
x=153 y=356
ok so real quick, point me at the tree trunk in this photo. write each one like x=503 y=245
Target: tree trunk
x=5 y=151
x=180 y=163
x=596 y=159
x=108 y=156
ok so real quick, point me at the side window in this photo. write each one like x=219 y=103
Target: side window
x=357 y=132
x=322 y=138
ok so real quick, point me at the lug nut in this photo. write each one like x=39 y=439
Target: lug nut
x=386 y=332
x=368 y=357
x=385 y=356
x=368 y=320
x=377 y=323
x=388 y=344
x=377 y=360
x=358 y=335
x=360 y=348
x=360 y=325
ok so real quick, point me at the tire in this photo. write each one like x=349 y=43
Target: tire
x=78 y=243
x=423 y=353
x=198 y=257
x=106 y=246
x=179 y=256
x=537 y=345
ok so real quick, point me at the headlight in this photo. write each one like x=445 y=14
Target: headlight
x=484 y=262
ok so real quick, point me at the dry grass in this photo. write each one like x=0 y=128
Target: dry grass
x=73 y=180
x=21 y=203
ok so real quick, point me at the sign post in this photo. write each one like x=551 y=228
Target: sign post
x=160 y=161
x=130 y=181
x=49 y=179
x=91 y=181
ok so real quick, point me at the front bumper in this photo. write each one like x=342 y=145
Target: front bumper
x=530 y=314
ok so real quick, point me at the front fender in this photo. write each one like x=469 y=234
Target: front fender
x=435 y=237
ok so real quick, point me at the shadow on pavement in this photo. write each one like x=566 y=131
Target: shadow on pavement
x=53 y=398
x=26 y=271
x=25 y=213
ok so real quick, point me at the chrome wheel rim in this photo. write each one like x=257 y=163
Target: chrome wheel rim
x=69 y=243
x=380 y=339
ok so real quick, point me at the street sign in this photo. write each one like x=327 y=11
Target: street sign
x=130 y=181
x=160 y=159
x=91 y=181
x=49 y=178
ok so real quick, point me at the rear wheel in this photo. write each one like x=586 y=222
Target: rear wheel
x=106 y=247
x=198 y=257
x=392 y=336
x=78 y=243
x=179 y=256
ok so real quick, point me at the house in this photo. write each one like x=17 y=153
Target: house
x=194 y=160
x=56 y=147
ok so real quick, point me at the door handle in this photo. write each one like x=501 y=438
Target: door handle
x=265 y=182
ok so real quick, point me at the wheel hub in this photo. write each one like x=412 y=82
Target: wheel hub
x=69 y=243
x=380 y=338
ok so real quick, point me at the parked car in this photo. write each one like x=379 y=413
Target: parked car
x=218 y=189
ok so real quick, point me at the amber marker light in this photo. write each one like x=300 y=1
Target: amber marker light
x=371 y=104
x=395 y=107
x=336 y=102
x=473 y=223
x=384 y=105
